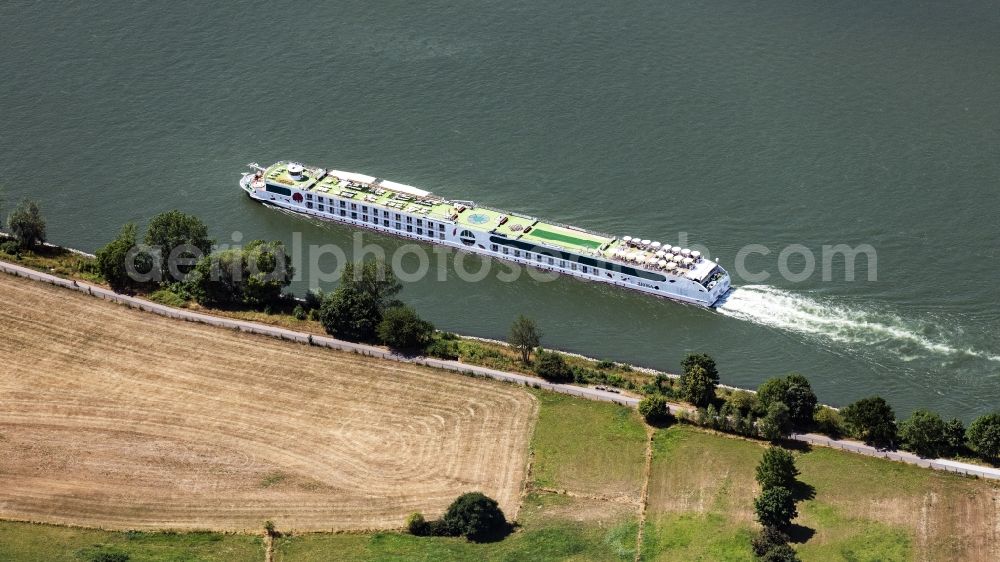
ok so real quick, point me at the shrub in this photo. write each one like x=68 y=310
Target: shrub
x=475 y=516
x=167 y=297
x=605 y=364
x=767 y=539
x=443 y=349
x=742 y=401
x=780 y=553
x=417 y=525
x=401 y=328
x=10 y=247
x=552 y=367
x=829 y=422
x=109 y=556
x=299 y=312
x=654 y=409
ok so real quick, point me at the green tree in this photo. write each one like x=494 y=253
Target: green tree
x=776 y=424
x=356 y=307
x=742 y=401
x=475 y=516
x=119 y=263
x=401 y=328
x=654 y=409
x=698 y=385
x=776 y=468
x=702 y=360
x=770 y=391
x=955 y=434
x=524 y=337
x=871 y=420
x=26 y=224
x=552 y=367
x=795 y=392
x=775 y=507
x=801 y=400
x=984 y=436
x=780 y=553
x=252 y=276
x=183 y=236
x=925 y=434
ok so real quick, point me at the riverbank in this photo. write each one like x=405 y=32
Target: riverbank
x=946 y=465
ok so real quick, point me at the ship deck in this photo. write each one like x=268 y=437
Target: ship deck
x=368 y=190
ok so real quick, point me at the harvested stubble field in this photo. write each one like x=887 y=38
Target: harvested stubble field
x=119 y=419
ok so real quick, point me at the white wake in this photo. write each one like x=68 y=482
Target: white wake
x=854 y=326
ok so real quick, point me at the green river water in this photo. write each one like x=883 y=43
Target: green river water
x=730 y=123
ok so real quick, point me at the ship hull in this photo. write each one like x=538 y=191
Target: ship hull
x=679 y=289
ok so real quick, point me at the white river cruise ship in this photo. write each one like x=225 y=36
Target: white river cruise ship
x=402 y=210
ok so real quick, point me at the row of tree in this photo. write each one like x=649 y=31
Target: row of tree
x=775 y=506
x=783 y=405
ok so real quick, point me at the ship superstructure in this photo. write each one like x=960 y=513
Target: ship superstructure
x=409 y=212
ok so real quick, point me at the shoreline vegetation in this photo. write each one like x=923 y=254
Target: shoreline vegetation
x=582 y=501
x=779 y=407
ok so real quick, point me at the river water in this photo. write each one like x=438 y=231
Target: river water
x=722 y=124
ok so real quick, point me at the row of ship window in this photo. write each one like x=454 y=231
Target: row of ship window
x=373 y=219
x=541 y=258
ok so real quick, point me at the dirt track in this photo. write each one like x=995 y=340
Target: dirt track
x=115 y=418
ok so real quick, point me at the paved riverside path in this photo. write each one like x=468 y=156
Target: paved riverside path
x=517 y=378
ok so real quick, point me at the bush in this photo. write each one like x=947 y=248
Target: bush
x=10 y=247
x=443 y=349
x=167 y=297
x=829 y=422
x=299 y=312
x=767 y=539
x=401 y=328
x=654 y=409
x=417 y=525
x=109 y=556
x=780 y=553
x=552 y=367
x=475 y=516
x=605 y=364
x=742 y=401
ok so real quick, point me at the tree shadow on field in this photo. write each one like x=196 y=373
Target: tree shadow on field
x=799 y=446
x=799 y=534
x=802 y=491
x=496 y=535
